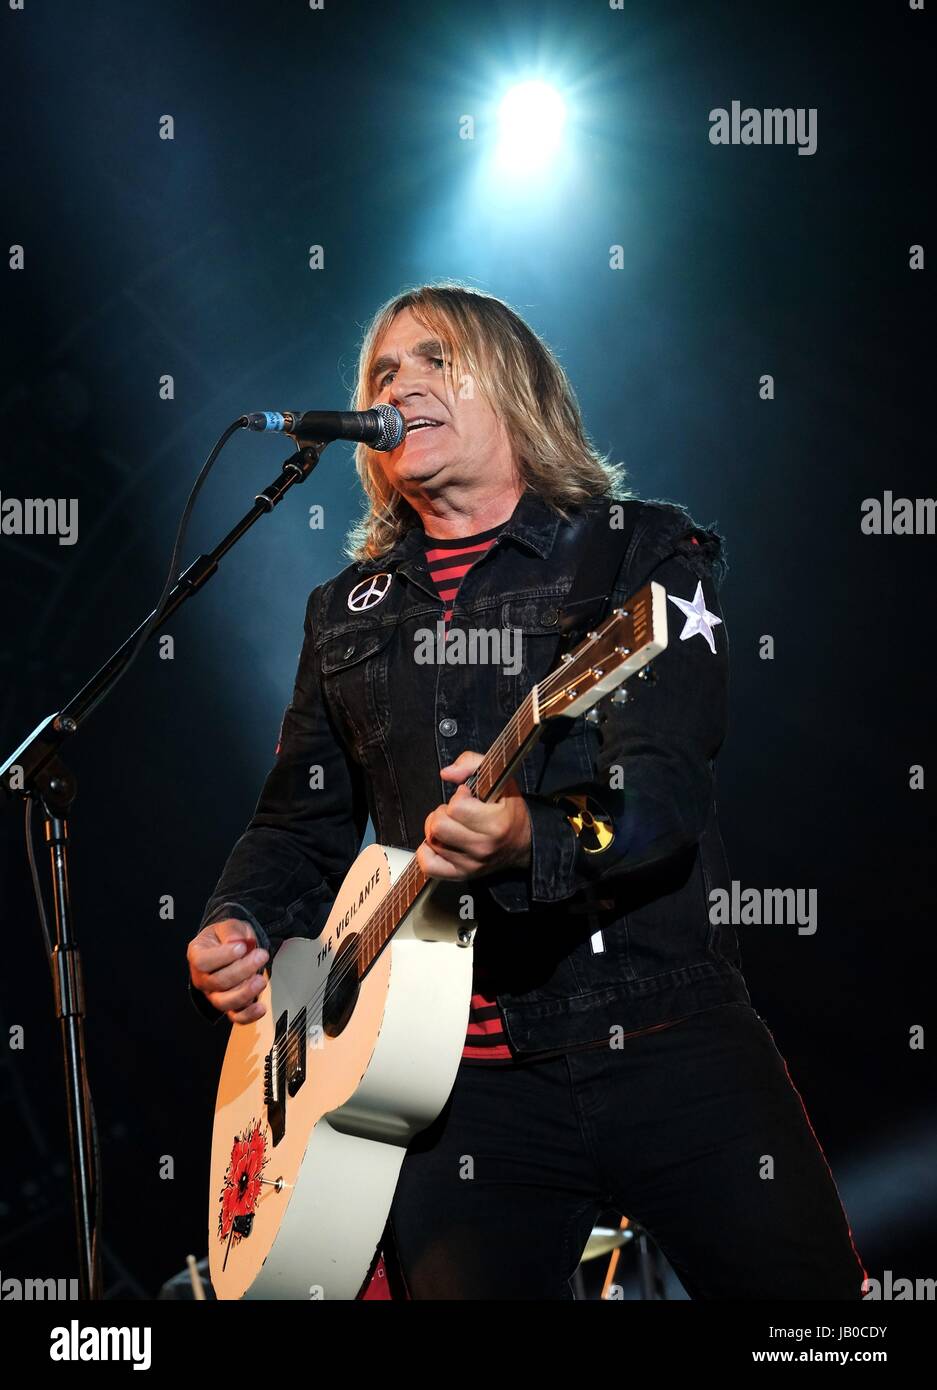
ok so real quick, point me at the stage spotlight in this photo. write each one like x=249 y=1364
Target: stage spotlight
x=531 y=119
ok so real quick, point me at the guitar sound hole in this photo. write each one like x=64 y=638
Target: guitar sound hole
x=341 y=989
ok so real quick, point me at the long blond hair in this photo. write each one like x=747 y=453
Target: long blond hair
x=520 y=378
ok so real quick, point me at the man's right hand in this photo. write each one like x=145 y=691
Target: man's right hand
x=225 y=964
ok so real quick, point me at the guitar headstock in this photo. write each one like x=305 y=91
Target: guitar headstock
x=626 y=641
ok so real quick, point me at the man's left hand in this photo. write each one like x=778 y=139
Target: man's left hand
x=466 y=837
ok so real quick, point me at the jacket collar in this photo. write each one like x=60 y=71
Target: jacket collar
x=533 y=523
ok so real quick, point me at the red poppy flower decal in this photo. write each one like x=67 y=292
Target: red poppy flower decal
x=242 y=1181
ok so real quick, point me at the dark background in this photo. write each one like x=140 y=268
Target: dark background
x=189 y=257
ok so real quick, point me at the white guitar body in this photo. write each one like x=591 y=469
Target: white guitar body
x=310 y=1229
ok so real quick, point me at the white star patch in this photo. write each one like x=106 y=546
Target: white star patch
x=698 y=618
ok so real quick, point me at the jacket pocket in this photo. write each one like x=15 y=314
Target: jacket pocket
x=354 y=666
x=535 y=642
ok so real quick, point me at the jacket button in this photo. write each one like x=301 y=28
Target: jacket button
x=349 y=651
x=549 y=617
x=448 y=727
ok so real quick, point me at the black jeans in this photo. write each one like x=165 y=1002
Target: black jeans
x=695 y=1132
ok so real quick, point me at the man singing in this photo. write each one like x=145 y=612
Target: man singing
x=613 y=1059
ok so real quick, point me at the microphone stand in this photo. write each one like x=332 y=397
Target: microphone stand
x=35 y=770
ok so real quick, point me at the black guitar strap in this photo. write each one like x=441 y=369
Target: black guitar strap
x=600 y=550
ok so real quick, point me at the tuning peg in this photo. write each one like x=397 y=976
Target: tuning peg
x=621 y=696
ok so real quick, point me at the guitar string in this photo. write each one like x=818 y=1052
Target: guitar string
x=375 y=926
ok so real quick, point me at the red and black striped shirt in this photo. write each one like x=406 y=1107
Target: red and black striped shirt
x=449 y=561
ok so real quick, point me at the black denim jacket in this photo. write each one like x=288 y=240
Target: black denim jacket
x=608 y=928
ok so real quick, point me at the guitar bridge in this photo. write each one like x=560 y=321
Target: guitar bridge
x=284 y=1070
x=274 y=1078
x=296 y=1053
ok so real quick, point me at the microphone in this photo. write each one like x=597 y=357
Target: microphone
x=381 y=428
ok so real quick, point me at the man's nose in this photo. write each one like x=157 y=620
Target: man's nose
x=408 y=382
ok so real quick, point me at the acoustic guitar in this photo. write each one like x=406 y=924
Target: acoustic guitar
x=361 y=1041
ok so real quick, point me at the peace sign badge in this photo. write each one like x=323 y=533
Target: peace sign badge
x=370 y=591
